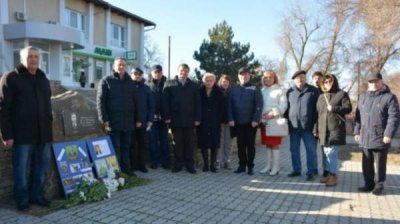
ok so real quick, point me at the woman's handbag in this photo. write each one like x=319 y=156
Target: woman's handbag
x=276 y=127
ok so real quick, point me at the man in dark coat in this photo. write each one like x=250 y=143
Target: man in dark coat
x=302 y=114
x=209 y=130
x=182 y=111
x=158 y=134
x=26 y=118
x=117 y=109
x=244 y=114
x=146 y=108
x=377 y=120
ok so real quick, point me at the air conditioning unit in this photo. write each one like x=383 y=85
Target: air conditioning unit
x=20 y=16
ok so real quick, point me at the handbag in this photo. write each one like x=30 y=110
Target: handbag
x=276 y=127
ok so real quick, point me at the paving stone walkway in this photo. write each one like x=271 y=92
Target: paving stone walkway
x=226 y=197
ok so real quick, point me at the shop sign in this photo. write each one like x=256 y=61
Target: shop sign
x=103 y=51
x=131 y=55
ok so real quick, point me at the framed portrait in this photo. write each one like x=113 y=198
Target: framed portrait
x=103 y=155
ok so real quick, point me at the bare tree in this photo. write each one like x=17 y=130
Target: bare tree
x=152 y=54
x=298 y=31
x=381 y=42
x=339 y=12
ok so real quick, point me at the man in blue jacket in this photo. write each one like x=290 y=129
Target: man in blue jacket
x=244 y=114
x=158 y=133
x=146 y=108
x=302 y=114
x=377 y=120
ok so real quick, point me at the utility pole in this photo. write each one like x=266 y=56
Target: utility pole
x=169 y=57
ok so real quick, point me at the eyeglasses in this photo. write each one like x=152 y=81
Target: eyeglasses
x=328 y=81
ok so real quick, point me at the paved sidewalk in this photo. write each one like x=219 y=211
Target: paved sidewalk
x=226 y=197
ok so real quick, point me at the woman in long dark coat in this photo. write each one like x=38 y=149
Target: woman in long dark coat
x=332 y=106
x=209 y=130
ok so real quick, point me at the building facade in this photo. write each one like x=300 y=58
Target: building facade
x=74 y=37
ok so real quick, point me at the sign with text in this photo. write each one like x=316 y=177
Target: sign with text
x=103 y=155
x=131 y=55
x=103 y=51
x=80 y=122
x=73 y=164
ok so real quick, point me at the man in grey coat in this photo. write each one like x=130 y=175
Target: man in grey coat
x=377 y=120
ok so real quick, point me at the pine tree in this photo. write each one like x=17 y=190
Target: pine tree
x=220 y=55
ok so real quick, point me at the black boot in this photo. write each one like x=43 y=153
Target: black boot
x=213 y=160
x=204 y=153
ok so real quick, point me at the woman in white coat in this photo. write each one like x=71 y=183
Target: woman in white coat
x=275 y=105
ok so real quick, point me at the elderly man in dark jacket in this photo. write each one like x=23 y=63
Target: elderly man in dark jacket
x=26 y=118
x=117 y=103
x=146 y=108
x=302 y=100
x=182 y=111
x=158 y=134
x=377 y=120
x=244 y=114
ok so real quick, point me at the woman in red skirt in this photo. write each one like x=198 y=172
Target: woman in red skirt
x=275 y=104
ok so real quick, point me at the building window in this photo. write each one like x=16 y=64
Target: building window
x=75 y=20
x=118 y=35
x=67 y=65
x=99 y=70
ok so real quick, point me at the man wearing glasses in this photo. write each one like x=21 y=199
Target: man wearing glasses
x=138 y=141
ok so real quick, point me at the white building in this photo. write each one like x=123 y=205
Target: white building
x=73 y=36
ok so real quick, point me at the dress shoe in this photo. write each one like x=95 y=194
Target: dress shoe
x=23 y=207
x=378 y=190
x=191 y=170
x=213 y=169
x=153 y=166
x=294 y=174
x=366 y=188
x=250 y=171
x=310 y=177
x=176 y=169
x=205 y=168
x=143 y=169
x=240 y=169
x=42 y=202
x=165 y=167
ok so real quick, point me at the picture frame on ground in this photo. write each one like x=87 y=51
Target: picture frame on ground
x=73 y=162
x=103 y=155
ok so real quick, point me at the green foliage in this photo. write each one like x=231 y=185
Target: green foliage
x=220 y=55
x=132 y=181
x=94 y=192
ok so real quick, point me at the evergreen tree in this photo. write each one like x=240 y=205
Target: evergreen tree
x=220 y=55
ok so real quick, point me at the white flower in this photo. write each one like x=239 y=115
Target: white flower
x=121 y=181
x=109 y=194
x=82 y=195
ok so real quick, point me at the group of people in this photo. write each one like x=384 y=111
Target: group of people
x=218 y=110
x=132 y=109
